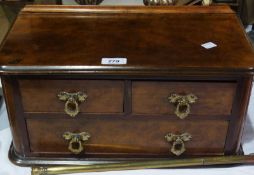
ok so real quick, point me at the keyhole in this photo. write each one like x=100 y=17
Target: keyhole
x=75 y=145
x=178 y=146
x=183 y=108
x=71 y=106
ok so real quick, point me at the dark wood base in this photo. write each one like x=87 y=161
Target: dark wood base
x=19 y=160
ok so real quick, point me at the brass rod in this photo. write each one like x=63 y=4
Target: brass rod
x=135 y=165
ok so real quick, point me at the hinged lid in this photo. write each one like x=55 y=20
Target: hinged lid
x=56 y=39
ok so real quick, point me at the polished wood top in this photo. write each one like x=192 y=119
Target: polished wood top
x=53 y=38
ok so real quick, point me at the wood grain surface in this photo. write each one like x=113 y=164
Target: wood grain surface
x=116 y=136
x=52 y=49
x=151 y=38
x=214 y=98
x=104 y=96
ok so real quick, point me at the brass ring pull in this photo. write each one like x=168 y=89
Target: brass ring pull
x=71 y=106
x=178 y=146
x=76 y=141
x=182 y=103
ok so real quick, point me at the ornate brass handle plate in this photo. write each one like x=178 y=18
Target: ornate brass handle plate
x=182 y=103
x=76 y=141
x=178 y=146
x=72 y=101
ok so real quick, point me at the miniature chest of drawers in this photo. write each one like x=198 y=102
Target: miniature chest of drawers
x=103 y=83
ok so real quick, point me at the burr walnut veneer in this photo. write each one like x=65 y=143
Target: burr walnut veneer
x=158 y=94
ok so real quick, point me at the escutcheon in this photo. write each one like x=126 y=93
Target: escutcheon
x=72 y=101
x=182 y=103
x=178 y=146
x=76 y=141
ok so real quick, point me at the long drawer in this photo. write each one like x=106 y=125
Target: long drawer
x=126 y=136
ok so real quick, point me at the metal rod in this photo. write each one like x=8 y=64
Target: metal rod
x=135 y=165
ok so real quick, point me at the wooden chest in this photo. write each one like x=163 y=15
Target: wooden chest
x=107 y=83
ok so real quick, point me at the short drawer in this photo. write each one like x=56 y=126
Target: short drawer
x=212 y=98
x=102 y=96
x=127 y=137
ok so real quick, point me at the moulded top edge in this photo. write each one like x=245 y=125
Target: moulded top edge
x=115 y=70
x=125 y=9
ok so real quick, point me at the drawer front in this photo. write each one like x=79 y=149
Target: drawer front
x=129 y=137
x=103 y=96
x=212 y=98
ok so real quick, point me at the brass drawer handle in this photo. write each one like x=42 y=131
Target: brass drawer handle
x=178 y=146
x=182 y=103
x=76 y=141
x=71 y=106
